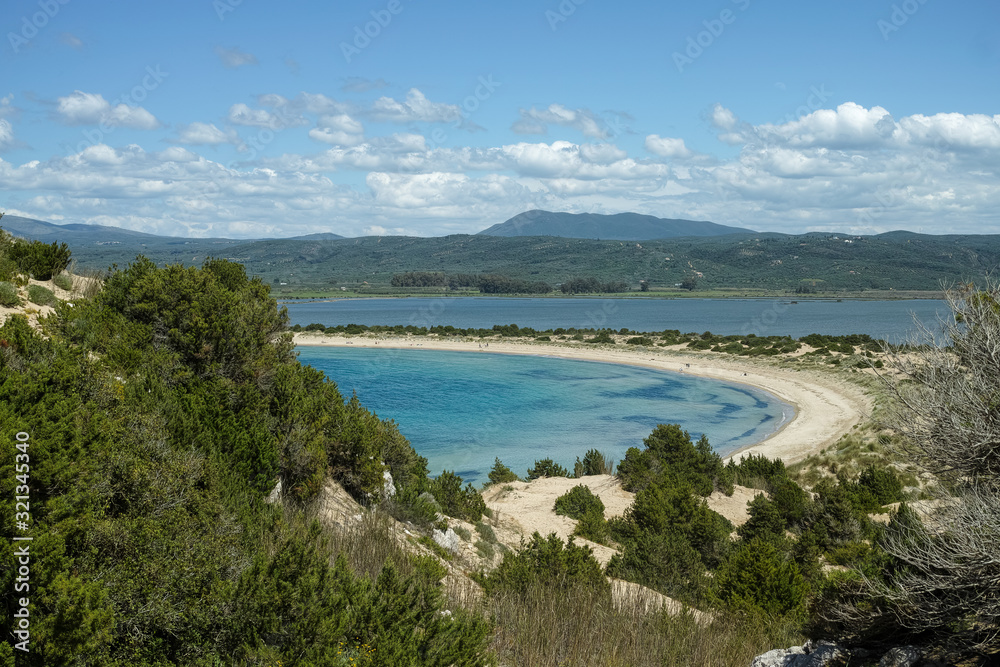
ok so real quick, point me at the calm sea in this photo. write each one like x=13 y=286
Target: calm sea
x=463 y=409
x=889 y=320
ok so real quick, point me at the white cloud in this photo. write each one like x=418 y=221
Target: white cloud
x=206 y=134
x=6 y=133
x=233 y=58
x=340 y=130
x=667 y=147
x=847 y=169
x=241 y=114
x=536 y=121
x=82 y=108
x=416 y=108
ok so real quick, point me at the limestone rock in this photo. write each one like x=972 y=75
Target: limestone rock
x=447 y=540
x=388 y=488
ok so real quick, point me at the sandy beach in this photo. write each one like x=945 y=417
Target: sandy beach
x=826 y=407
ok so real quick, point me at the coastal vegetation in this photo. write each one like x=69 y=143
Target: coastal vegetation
x=178 y=461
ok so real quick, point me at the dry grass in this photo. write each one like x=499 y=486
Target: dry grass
x=583 y=628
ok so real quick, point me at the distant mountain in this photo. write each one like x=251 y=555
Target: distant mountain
x=616 y=227
x=100 y=234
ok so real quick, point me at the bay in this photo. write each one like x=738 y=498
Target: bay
x=462 y=410
x=888 y=320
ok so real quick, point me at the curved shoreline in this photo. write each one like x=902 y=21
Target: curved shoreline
x=825 y=407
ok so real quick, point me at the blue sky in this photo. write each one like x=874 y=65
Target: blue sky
x=244 y=118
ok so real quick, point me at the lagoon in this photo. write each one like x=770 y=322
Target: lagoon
x=888 y=320
x=463 y=409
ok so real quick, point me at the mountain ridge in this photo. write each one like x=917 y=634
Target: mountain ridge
x=609 y=227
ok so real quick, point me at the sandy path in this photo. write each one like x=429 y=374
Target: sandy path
x=826 y=407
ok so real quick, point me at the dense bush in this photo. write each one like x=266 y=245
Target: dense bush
x=548 y=563
x=594 y=463
x=9 y=297
x=547 y=468
x=41 y=261
x=671 y=457
x=42 y=296
x=63 y=281
x=455 y=501
x=501 y=474
x=578 y=501
x=757 y=578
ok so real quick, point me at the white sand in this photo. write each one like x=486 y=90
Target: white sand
x=826 y=407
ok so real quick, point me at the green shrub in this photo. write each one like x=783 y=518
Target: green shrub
x=765 y=522
x=501 y=474
x=663 y=563
x=593 y=526
x=671 y=457
x=409 y=506
x=756 y=578
x=757 y=471
x=578 y=501
x=455 y=501
x=63 y=281
x=464 y=533
x=594 y=463
x=8 y=295
x=485 y=531
x=485 y=550
x=547 y=468
x=640 y=340
x=41 y=261
x=42 y=296
x=545 y=562
x=883 y=484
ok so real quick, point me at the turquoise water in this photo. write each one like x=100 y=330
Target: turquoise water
x=463 y=409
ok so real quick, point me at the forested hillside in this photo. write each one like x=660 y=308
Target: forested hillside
x=154 y=420
x=820 y=262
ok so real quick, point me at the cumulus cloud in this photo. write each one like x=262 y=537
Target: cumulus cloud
x=82 y=108
x=241 y=114
x=206 y=134
x=416 y=108
x=847 y=169
x=667 y=147
x=6 y=134
x=536 y=121
x=234 y=57
x=340 y=129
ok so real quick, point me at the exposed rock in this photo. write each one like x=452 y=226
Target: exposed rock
x=275 y=494
x=447 y=540
x=901 y=656
x=810 y=654
x=388 y=488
